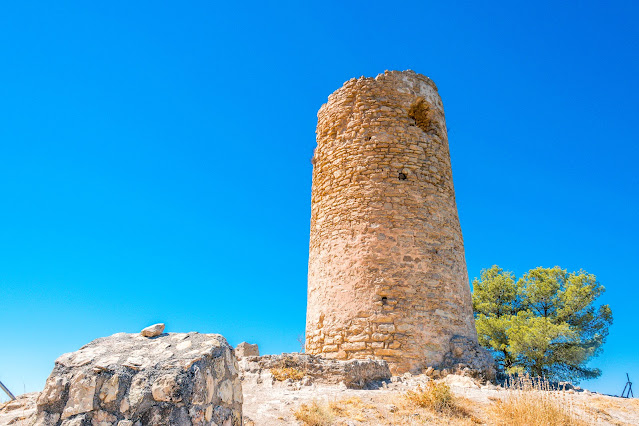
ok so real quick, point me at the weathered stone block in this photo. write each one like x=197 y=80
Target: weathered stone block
x=387 y=352
x=378 y=337
x=358 y=338
x=353 y=346
x=386 y=328
x=246 y=349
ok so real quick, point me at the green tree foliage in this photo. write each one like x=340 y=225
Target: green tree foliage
x=546 y=323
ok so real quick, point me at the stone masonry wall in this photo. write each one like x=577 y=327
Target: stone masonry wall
x=387 y=274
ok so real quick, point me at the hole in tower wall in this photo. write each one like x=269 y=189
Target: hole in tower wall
x=384 y=300
x=402 y=176
x=424 y=115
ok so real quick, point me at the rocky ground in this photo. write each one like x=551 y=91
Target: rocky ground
x=20 y=412
x=274 y=402
x=181 y=379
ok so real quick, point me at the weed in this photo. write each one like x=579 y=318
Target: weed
x=436 y=397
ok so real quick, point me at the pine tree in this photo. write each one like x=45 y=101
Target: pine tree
x=545 y=324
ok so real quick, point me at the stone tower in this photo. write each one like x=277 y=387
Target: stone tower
x=387 y=275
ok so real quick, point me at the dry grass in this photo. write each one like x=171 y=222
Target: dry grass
x=315 y=414
x=624 y=404
x=606 y=409
x=352 y=408
x=524 y=402
x=434 y=403
x=284 y=373
x=330 y=413
x=532 y=403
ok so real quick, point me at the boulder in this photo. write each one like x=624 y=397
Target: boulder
x=246 y=349
x=131 y=380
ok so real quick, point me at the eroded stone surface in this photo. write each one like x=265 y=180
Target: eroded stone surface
x=128 y=379
x=387 y=274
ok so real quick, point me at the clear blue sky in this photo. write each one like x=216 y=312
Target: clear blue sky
x=155 y=157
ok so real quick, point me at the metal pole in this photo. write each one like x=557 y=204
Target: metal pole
x=628 y=386
x=7 y=391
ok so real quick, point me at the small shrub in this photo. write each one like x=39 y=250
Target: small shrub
x=434 y=402
x=301 y=339
x=281 y=374
x=436 y=397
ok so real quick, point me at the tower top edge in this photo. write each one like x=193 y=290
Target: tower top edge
x=407 y=81
x=406 y=74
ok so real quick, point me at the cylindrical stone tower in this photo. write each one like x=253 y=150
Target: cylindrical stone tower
x=387 y=275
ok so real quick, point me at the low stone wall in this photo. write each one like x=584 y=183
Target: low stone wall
x=356 y=374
